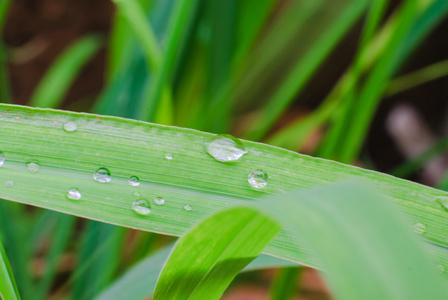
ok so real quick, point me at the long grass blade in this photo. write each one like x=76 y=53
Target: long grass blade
x=208 y=257
x=68 y=159
x=140 y=281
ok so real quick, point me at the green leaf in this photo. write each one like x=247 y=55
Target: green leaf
x=360 y=241
x=207 y=258
x=132 y=148
x=53 y=86
x=140 y=281
x=8 y=288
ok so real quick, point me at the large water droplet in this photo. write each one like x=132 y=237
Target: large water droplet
x=134 y=181
x=102 y=175
x=169 y=156
x=2 y=158
x=419 y=228
x=9 y=183
x=188 y=207
x=73 y=194
x=258 y=178
x=70 y=126
x=159 y=200
x=142 y=207
x=224 y=147
x=33 y=166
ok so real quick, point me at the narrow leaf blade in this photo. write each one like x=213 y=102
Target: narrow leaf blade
x=207 y=258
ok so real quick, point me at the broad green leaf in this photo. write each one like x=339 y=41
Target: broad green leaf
x=53 y=86
x=140 y=281
x=131 y=148
x=208 y=257
x=360 y=241
x=8 y=288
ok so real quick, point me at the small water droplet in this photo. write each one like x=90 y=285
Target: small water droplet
x=258 y=178
x=136 y=194
x=102 y=175
x=224 y=147
x=2 y=158
x=134 y=181
x=441 y=268
x=33 y=166
x=159 y=200
x=73 y=194
x=70 y=126
x=169 y=156
x=9 y=183
x=419 y=228
x=142 y=207
x=188 y=207
x=443 y=201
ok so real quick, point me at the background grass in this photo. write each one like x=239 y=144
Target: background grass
x=219 y=66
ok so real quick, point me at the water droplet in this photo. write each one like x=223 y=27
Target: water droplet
x=258 y=178
x=134 y=181
x=2 y=158
x=70 y=126
x=142 y=207
x=33 y=166
x=9 y=183
x=136 y=194
x=159 y=201
x=102 y=175
x=224 y=147
x=419 y=228
x=73 y=194
x=188 y=207
x=443 y=201
x=169 y=156
x=441 y=268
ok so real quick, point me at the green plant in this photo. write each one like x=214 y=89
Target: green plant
x=201 y=64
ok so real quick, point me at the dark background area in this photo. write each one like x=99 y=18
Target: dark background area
x=37 y=31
